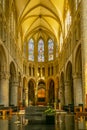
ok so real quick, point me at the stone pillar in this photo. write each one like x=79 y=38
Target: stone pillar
x=61 y=94
x=77 y=84
x=56 y=91
x=68 y=98
x=14 y=93
x=26 y=97
x=19 y=96
x=84 y=46
x=4 y=89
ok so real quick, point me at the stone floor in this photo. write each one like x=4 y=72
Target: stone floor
x=62 y=122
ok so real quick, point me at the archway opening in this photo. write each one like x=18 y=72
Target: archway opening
x=62 y=90
x=69 y=93
x=51 y=93
x=78 y=78
x=41 y=93
x=31 y=93
x=24 y=96
x=12 y=85
x=3 y=77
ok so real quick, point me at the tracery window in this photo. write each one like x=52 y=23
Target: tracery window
x=41 y=50
x=31 y=50
x=50 y=49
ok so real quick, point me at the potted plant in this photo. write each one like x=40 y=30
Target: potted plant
x=50 y=115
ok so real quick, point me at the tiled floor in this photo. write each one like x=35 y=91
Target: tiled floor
x=62 y=122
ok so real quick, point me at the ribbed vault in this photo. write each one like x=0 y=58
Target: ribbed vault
x=40 y=16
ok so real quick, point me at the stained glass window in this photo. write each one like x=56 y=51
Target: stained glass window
x=31 y=50
x=50 y=49
x=41 y=50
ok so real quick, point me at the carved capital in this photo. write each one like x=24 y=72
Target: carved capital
x=4 y=75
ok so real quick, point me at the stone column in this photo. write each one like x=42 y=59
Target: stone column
x=77 y=84
x=62 y=94
x=84 y=46
x=56 y=91
x=14 y=93
x=4 y=89
x=68 y=98
x=26 y=97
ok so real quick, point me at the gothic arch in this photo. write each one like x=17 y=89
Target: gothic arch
x=3 y=77
x=12 y=70
x=24 y=96
x=3 y=59
x=69 y=71
x=57 y=90
x=51 y=92
x=62 y=89
x=43 y=84
x=69 y=99
x=13 y=85
x=41 y=92
x=78 y=60
x=78 y=77
x=31 y=92
x=24 y=83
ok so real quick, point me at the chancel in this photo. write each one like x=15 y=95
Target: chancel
x=43 y=57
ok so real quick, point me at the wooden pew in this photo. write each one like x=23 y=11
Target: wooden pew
x=81 y=114
x=77 y=109
x=4 y=112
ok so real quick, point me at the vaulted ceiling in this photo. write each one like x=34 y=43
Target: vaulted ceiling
x=40 y=17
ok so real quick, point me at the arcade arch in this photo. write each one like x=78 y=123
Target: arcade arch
x=62 y=89
x=41 y=93
x=13 y=85
x=51 y=92
x=4 y=76
x=69 y=95
x=31 y=92
x=77 y=78
x=24 y=91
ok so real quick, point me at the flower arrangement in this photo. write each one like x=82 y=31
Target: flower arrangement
x=50 y=115
x=49 y=111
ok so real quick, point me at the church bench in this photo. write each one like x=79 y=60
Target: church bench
x=77 y=109
x=4 y=112
x=81 y=114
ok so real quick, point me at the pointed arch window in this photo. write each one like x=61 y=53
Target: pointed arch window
x=50 y=49
x=31 y=50
x=41 y=50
